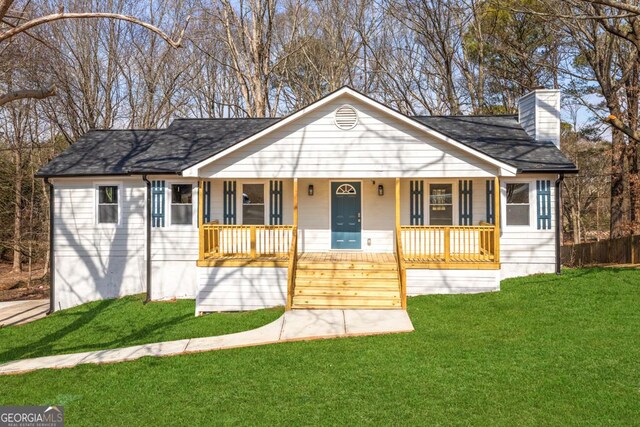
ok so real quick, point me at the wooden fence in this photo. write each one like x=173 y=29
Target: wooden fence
x=623 y=250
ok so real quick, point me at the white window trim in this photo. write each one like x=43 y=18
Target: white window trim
x=427 y=196
x=266 y=197
x=532 y=208
x=96 y=199
x=194 y=204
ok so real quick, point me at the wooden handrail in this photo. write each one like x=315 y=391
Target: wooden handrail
x=251 y=241
x=450 y=244
x=402 y=270
x=293 y=264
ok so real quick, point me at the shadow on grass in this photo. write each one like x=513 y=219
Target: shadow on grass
x=123 y=322
x=46 y=342
x=135 y=338
x=52 y=342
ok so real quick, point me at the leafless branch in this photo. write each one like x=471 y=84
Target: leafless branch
x=27 y=94
x=93 y=15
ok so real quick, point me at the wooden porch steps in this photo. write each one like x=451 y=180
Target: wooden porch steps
x=327 y=284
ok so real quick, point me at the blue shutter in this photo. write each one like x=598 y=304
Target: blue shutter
x=543 y=188
x=491 y=204
x=275 y=202
x=416 y=199
x=229 y=202
x=157 y=203
x=206 y=199
x=465 y=197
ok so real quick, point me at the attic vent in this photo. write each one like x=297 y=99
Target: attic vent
x=346 y=117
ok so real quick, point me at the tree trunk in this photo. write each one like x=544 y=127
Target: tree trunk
x=618 y=221
x=17 y=223
x=575 y=225
x=633 y=180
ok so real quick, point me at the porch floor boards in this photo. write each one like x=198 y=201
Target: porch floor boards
x=452 y=259
x=346 y=257
x=242 y=260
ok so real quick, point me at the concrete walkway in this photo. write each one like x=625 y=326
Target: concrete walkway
x=295 y=325
x=21 y=312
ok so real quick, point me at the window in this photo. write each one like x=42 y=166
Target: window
x=253 y=204
x=440 y=204
x=107 y=204
x=181 y=204
x=517 y=204
x=346 y=189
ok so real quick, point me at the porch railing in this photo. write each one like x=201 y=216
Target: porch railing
x=450 y=244
x=402 y=268
x=247 y=241
x=292 y=267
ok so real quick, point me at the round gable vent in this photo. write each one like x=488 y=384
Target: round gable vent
x=346 y=117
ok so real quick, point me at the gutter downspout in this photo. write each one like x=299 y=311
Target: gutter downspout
x=52 y=258
x=148 y=245
x=558 y=222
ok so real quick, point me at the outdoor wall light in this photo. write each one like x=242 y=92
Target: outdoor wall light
x=310 y=190
x=380 y=190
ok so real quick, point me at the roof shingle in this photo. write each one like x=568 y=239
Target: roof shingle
x=189 y=141
x=502 y=138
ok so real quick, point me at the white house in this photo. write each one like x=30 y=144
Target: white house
x=345 y=203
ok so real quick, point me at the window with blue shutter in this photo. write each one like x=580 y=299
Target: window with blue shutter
x=229 y=202
x=543 y=188
x=275 y=202
x=465 y=197
x=491 y=202
x=416 y=200
x=157 y=203
x=206 y=201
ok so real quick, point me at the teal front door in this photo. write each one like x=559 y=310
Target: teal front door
x=346 y=224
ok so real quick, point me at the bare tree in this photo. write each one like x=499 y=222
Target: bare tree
x=21 y=21
x=606 y=59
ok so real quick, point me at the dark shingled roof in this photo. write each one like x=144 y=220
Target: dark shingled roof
x=502 y=138
x=125 y=152
x=187 y=142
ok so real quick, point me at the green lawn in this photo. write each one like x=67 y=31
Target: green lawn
x=120 y=323
x=545 y=350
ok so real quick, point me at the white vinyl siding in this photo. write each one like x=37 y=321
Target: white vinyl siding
x=548 y=116
x=217 y=207
x=527 y=113
x=526 y=250
x=96 y=261
x=378 y=215
x=174 y=249
x=425 y=282
x=378 y=146
x=539 y=115
x=235 y=288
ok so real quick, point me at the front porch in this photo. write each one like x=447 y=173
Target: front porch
x=337 y=278
x=433 y=247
